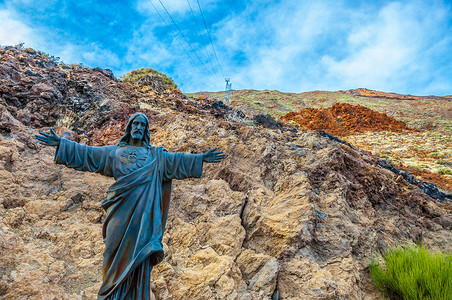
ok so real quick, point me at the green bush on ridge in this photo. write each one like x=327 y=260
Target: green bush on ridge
x=135 y=75
x=413 y=273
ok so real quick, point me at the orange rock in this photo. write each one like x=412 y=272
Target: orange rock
x=343 y=119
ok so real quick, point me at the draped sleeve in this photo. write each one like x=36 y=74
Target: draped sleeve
x=180 y=165
x=85 y=158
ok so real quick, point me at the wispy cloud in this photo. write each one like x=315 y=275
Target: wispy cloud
x=394 y=51
x=318 y=45
x=173 y=6
x=280 y=47
x=13 y=31
x=159 y=42
x=288 y=45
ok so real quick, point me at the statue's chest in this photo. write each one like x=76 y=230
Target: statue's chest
x=132 y=158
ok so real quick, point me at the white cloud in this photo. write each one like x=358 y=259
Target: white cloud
x=165 y=53
x=173 y=6
x=12 y=31
x=301 y=46
x=90 y=54
x=391 y=51
x=278 y=46
x=289 y=45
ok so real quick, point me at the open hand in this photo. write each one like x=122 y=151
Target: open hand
x=51 y=139
x=213 y=157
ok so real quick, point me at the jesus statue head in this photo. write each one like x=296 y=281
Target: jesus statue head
x=136 y=132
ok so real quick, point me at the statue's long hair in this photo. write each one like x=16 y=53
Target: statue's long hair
x=125 y=139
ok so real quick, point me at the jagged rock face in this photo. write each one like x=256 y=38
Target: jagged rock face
x=40 y=92
x=154 y=82
x=289 y=215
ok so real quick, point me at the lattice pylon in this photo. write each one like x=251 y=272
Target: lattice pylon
x=227 y=92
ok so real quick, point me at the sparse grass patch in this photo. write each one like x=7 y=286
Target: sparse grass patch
x=293 y=123
x=413 y=273
x=66 y=121
x=442 y=162
x=436 y=155
x=417 y=168
x=445 y=171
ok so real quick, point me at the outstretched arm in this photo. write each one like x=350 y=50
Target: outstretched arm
x=179 y=165
x=213 y=157
x=51 y=139
x=77 y=156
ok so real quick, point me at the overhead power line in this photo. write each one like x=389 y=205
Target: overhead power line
x=202 y=39
x=177 y=39
x=210 y=38
x=180 y=31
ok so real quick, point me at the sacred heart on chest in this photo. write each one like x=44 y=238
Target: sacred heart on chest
x=133 y=157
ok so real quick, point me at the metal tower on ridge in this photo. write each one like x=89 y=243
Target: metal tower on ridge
x=227 y=92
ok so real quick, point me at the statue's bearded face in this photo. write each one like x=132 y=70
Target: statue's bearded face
x=138 y=127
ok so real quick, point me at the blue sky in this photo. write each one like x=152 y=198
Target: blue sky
x=287 y=45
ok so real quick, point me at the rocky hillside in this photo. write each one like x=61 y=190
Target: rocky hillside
x=426 y=112
x=419 y=139
x=289 y=214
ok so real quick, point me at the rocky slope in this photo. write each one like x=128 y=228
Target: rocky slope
x=287 y=215
x=377 y=94
x=372 y=121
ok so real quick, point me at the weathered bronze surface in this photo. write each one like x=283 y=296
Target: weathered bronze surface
x=136 y=204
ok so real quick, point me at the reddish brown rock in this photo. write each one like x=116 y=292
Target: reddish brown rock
x=343 y=119
x=297 y=217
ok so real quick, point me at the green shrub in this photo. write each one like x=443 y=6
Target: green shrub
x=417 y=168
x=293 y=123
x=441 y=162
x=135 y=75
x=436 y=155
x=413 y=273
x=445 y=171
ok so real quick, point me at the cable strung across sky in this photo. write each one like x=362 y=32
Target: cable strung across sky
x=210 y=38
x=287 y=45
x=183 y=36
x=202 y=39
x=199 y=65
x=177 y=39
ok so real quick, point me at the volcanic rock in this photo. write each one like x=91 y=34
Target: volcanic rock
x=264 y=223
x=266 y=121
x=343 y=119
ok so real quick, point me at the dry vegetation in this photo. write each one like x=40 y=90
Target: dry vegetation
x=426 y=150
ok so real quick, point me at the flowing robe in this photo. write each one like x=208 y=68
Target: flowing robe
x=136 y=205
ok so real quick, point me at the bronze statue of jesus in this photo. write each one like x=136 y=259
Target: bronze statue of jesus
x=136 y=204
